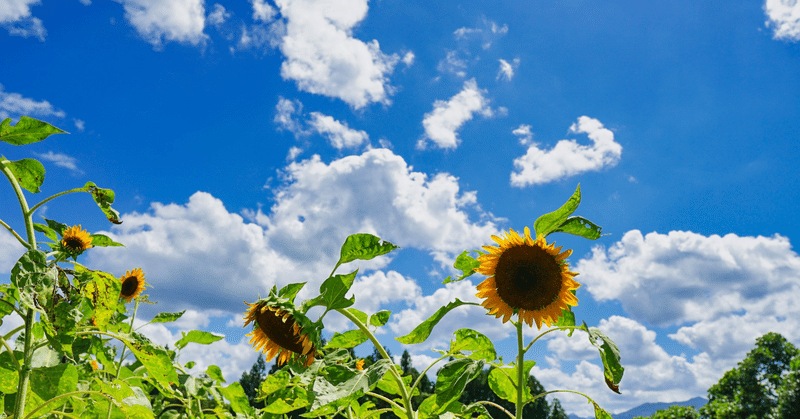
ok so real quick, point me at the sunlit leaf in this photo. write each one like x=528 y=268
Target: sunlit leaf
x=333 y=291
x=580 y=226
x=362 y=381
x=609 y=353
x=9 y=377
x=421 y=332
x=600 y=413
x=104 y=198
x=102 y=240
x=380 y=318
x=56 y=226
x=154 y=357
x=28 y=172
x=364 y=247
x=102 y=290
x=275 y=382
x=360 y=315
x=466 y=264
x=475 y=342
x=548 y=223
x=167 y=317
x=348 y=339
x=239 y=402
x=215 y=372
x=48 y=382
x=290 y=291
x=49 y=232
x=26 y=131
x=453 y=378
x=503 y=381
x=389 y=384
x=289 y=399
x=197 y=336
x=33 y=277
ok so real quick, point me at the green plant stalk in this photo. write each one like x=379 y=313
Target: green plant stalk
x=395 y=374
x=70 y=394
x=14 y=233
x=122 y=355
x=521 y=382
x=384 y=398
x=11 y=353
x=35 y=207
x=497 y=406
x=25 y=373
x=552 y=330
x=416 y=383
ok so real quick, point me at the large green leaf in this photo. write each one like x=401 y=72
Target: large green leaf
x=466 y=264
x=288 y=399
x=503 y=382
x=290 y=291
x=421 y=332
x=49 y=382
x=548 y=223
x=49 y=232
x=197 y=336
x=453 y=378
x=333 y=291
x=389 y=384
x=104 y=198
x=33 y=277
x=479 y=345
x=380 y=318
x=359 y=383
x=154 y=357
x=28 y=172
x=102 y=290
x=609 y=353
x=215 y=372
x=348 y=339
x=580 y=226
x=101 y=240
x=274 y=382
x=9 y=377
x=364 y=247
x=239 y=402
x=27 y=131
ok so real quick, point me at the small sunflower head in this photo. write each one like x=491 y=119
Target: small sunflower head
x=360 y=365
x=75 y=240
x=132 y=284
x=280 y=330
x=94 y=365
x=526 y=277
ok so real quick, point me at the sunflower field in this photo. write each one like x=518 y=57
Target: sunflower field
x=78 y=355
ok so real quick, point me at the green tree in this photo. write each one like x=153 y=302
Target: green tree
x=675 y=412
x=750 y=391
x=251 y=381
x=789 y=392
x=479 y=390
x=556 y=411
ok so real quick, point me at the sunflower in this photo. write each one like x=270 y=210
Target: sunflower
x=526 y=277
x=132 y=284
x=281 y=331
x=76 y=240
x=360 y=365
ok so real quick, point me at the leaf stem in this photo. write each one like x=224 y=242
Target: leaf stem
x=379 y=347
x=551 y=330
x=497 y=406
x=35 y=207
x=70 y=394
x=384 y=398
x=10 y=352
x=14 y=233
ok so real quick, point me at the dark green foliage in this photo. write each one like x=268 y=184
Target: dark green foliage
x=556 y=411
x=675 y=412
x=758 y=385
x=252 y=380
x=478 y=390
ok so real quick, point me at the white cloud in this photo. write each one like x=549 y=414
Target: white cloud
x=408 y=58
x=568 y=158
x=339 y=134
x=322 y=56
x=451 y=63
x=61 y=160
x=86 y=2
x=293 y=153
x=159 y=21
x=79 y=124
x=218 y=16
x=783 y=16
x=262 y=11
x=488 y=33
x=13 y=10
x=27 y=27
x=287 y=116
x=261 y=36
x=10 y=250
x=524 y=133
x=507 y=69
x=13 y=105
x=446 y=118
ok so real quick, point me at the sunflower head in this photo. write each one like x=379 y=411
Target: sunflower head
x=360 y=365
x=526 y=277
x=282 y=331
x=75 y=240
x=132 y=284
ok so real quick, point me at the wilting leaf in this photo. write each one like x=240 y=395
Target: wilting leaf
x=102 y=290
x=27 y=131
x=33 y=276
x=421 y=332
x=599 y=413
x=609 y=353
x=28 y=172
x=104 y=198
x=470 y=340
x=197 y=336
x=548 y=223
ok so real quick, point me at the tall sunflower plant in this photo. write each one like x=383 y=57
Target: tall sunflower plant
x=528 y=282
x=77 y=325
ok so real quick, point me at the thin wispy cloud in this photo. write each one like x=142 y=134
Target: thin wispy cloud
x=14 y=105
x=62 y=160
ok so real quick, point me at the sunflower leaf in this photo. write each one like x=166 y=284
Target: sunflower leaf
x=548 y=223
x=102 y=290
x=389 y=384
x=580 y=226
x=333 y=291
x=360 y=315
x=452 y=379
x=33 y=277
x=466 y=264
x=600 y=413
x=348 y=339
x=102 y=240
x=154 y=357
x=104 y=198
x=235 y=394
x=350 y=389
x=609 y=353
x=364 y=247
x=503 y=381
x=290 y=291
x=215 y=372
x=28 y=172
x=197 y=336
x=288 y=399
x=27 y=131
x=475 y=342
x=56 y=226
x=421 y=332
x=167 y=317
x=274 y=382
x=49 y=232
x=380 y=318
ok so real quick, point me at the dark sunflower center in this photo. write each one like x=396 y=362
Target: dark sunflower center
x=279 y=332
x=527 y=277
x=129 y=286
x=73 y=243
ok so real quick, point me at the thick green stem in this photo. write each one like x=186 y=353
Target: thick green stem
x=521 y=381
x=25 y=373
x=395 y=374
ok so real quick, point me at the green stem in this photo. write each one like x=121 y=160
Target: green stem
x=521 y=382
x=13 y=307
x=13 y=332
x=122 y=355
x=11 y=353
x=416 y=383
x=35 y=207
x=497 y=406
x=70 y=394
x=379 y=347
x=25 y=373
x=562 y=391
x=14 y=233
x=386 y=399
x=552 y=330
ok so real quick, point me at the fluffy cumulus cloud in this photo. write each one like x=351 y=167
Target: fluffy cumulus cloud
x=15 y=16
x=159 y=21
x=323 y=58
x=10 y=251
x=262 y=11
x=783 y=16
x=218 y=16
x=13 y=105
x=524 y=133
x=447 y=117
x=339 y=134
x=568 y=158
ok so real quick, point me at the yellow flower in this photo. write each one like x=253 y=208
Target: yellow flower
x=132 y=284
x=76 y=240
x=527 y=277
x=94 y=365
x=360 y=365
x=278 y=332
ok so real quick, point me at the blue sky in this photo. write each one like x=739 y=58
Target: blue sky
x=246 y=139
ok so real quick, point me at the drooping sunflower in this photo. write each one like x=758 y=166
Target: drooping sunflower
x=75 y=240
x=526 y=277
x=279 y=330
x=132 y=284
